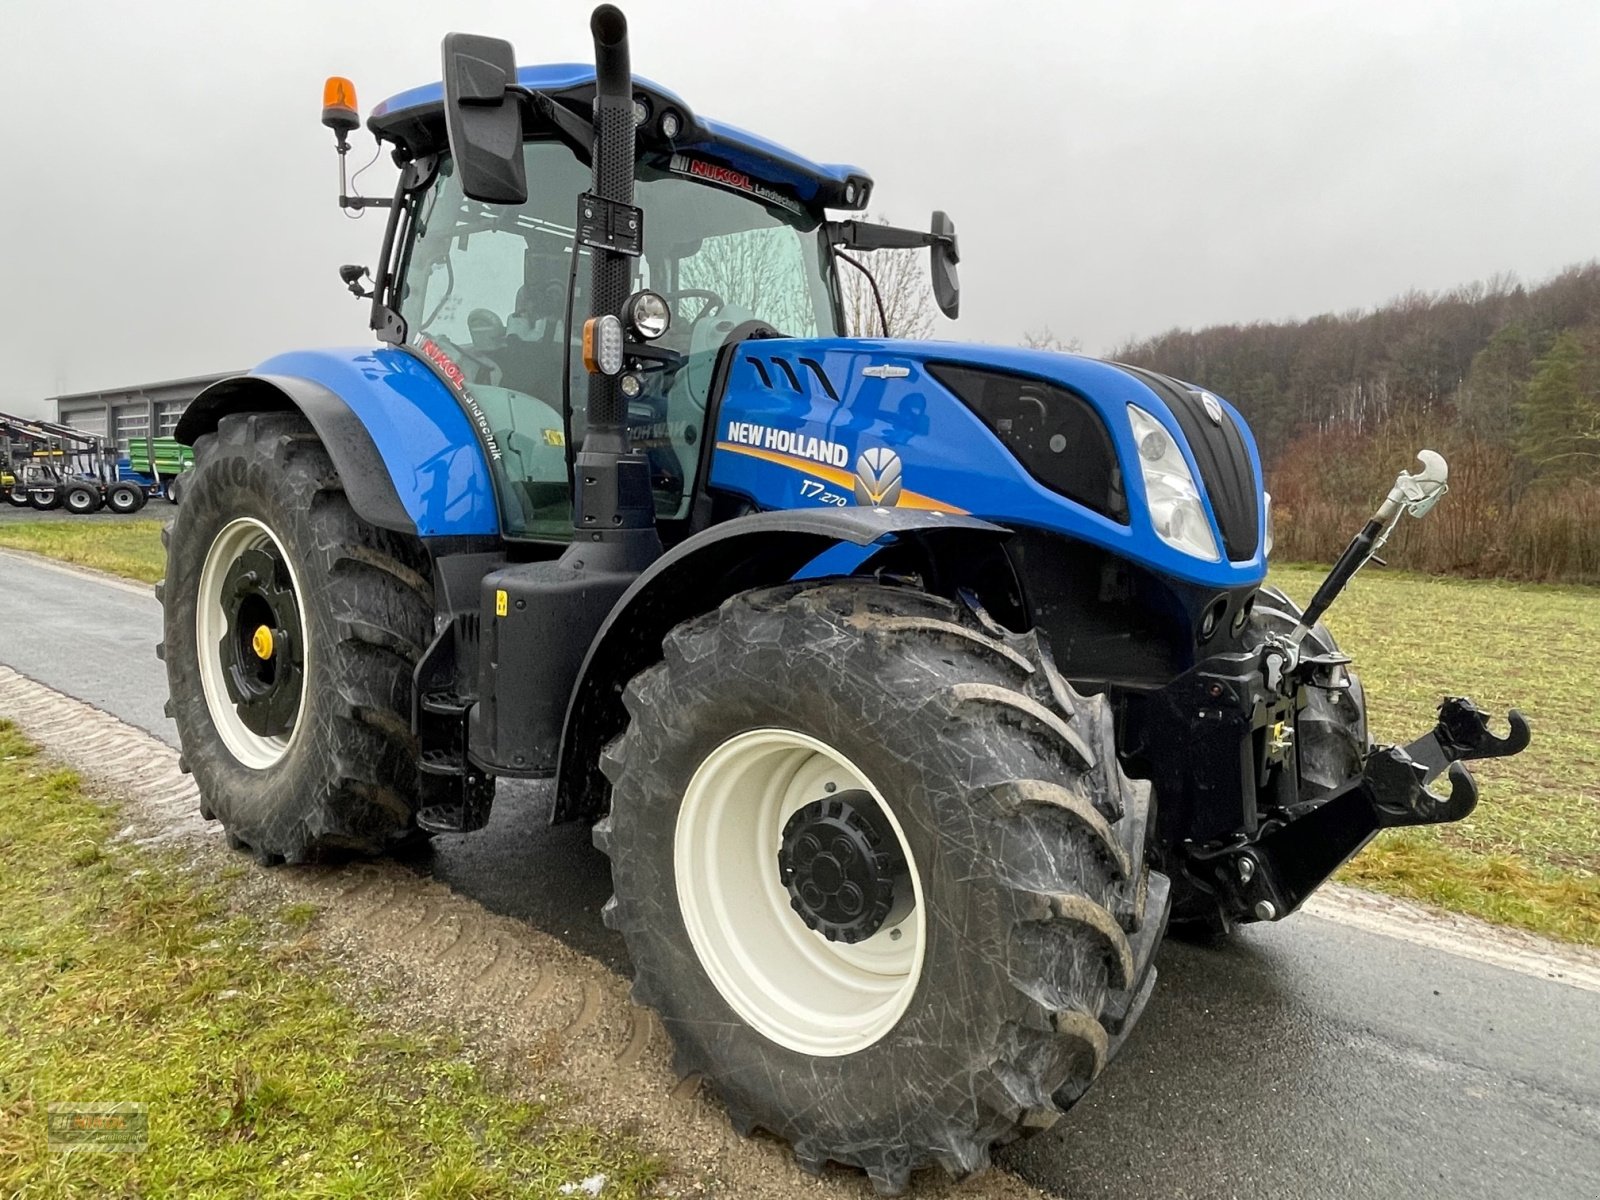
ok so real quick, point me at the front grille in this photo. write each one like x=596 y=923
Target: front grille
x=1223 y=458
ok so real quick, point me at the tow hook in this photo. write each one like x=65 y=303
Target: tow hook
x=1269 y=877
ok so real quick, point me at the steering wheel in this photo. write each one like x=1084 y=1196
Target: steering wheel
x=714 y=302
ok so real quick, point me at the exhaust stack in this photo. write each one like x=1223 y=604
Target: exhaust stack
x=613 y=509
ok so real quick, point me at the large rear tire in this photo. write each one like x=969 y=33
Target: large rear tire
x=291 y=631
x=1002 y=965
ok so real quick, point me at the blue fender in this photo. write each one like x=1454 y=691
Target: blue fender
x=404 y=449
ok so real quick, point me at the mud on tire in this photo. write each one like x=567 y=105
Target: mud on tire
x=1041 y=914
x=348 y=780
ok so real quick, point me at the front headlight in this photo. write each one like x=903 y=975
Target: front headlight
x=1267 y=501
x=1176 y=510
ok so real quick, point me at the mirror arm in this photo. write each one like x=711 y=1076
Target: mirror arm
x=573 y=130
x=865 y=235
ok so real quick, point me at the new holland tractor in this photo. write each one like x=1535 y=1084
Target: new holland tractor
x=910 y=687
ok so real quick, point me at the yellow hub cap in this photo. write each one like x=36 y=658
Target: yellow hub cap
x=261 y=642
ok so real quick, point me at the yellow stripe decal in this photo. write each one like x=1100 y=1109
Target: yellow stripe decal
x=844 y=479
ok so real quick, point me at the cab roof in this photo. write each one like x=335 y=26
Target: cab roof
x=415 y=119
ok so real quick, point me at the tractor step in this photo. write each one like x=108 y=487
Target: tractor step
x=441 y=762
x=445 y=818
x=445 y=704
x=467 y=811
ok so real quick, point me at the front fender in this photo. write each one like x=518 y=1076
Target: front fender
x=405 y=451
x=701 y=572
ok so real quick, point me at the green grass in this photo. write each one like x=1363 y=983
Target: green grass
x=1530 y=855
x=130 y=548
x=123 y=977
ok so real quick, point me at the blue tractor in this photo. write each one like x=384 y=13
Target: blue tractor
x=910 y=687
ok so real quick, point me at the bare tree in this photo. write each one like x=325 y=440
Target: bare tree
x=1044 y=338
x=902 y=278
x=761 y=270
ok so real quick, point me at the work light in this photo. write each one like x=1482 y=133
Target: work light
x=602 y=345
x=649 y=315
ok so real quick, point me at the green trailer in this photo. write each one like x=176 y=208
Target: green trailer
x=171 y=457
x=170 y=460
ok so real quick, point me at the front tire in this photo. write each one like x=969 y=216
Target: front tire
x=1012 y=951
x=291 y=631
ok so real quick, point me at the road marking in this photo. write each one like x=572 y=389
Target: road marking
x=143 y=590
x=100 y=744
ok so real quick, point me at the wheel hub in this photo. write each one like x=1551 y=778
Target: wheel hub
x=842 y=866
x=259 y=649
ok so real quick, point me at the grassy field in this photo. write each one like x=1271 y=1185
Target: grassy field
x=130 y=547
x=1530 y=855
x=124 y=978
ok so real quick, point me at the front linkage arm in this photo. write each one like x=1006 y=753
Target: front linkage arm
x=1272 y=876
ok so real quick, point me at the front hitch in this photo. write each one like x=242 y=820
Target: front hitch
x=1271 y=876
x=1398 y=777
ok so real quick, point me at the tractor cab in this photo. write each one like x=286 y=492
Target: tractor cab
x=737 y=245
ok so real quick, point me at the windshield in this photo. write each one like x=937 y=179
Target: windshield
x=490 y=284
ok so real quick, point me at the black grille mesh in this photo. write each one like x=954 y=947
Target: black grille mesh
x=1055 y=434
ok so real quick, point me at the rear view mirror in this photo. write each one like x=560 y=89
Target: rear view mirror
x=483 y=119
x=945 y=256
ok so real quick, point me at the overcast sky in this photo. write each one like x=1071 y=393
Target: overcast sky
x=1114 y=168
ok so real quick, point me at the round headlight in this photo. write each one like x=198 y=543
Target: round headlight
x=671 y=124
x=850 y=192
x=648 y=315
x=641 y=110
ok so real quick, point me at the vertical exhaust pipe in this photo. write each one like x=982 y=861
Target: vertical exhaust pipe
x=614 y=510
x=613 y=180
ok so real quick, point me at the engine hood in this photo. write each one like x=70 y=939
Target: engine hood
x=878 y=421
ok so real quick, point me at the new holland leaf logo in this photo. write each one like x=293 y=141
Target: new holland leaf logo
x=878 y=482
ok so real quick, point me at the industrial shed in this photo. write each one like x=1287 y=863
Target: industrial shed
x=142 y=410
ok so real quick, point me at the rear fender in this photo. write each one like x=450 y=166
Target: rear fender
x=697 y=575
x=405 y=451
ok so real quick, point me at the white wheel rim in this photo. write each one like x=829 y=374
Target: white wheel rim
x=787 y=981
x=211 y=625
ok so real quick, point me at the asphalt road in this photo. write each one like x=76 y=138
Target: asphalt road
x=1306 y=1059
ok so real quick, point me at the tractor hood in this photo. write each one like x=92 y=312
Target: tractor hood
x=1025 y=438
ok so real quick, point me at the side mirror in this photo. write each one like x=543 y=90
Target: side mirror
x=483 y=120
x=945 y=255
